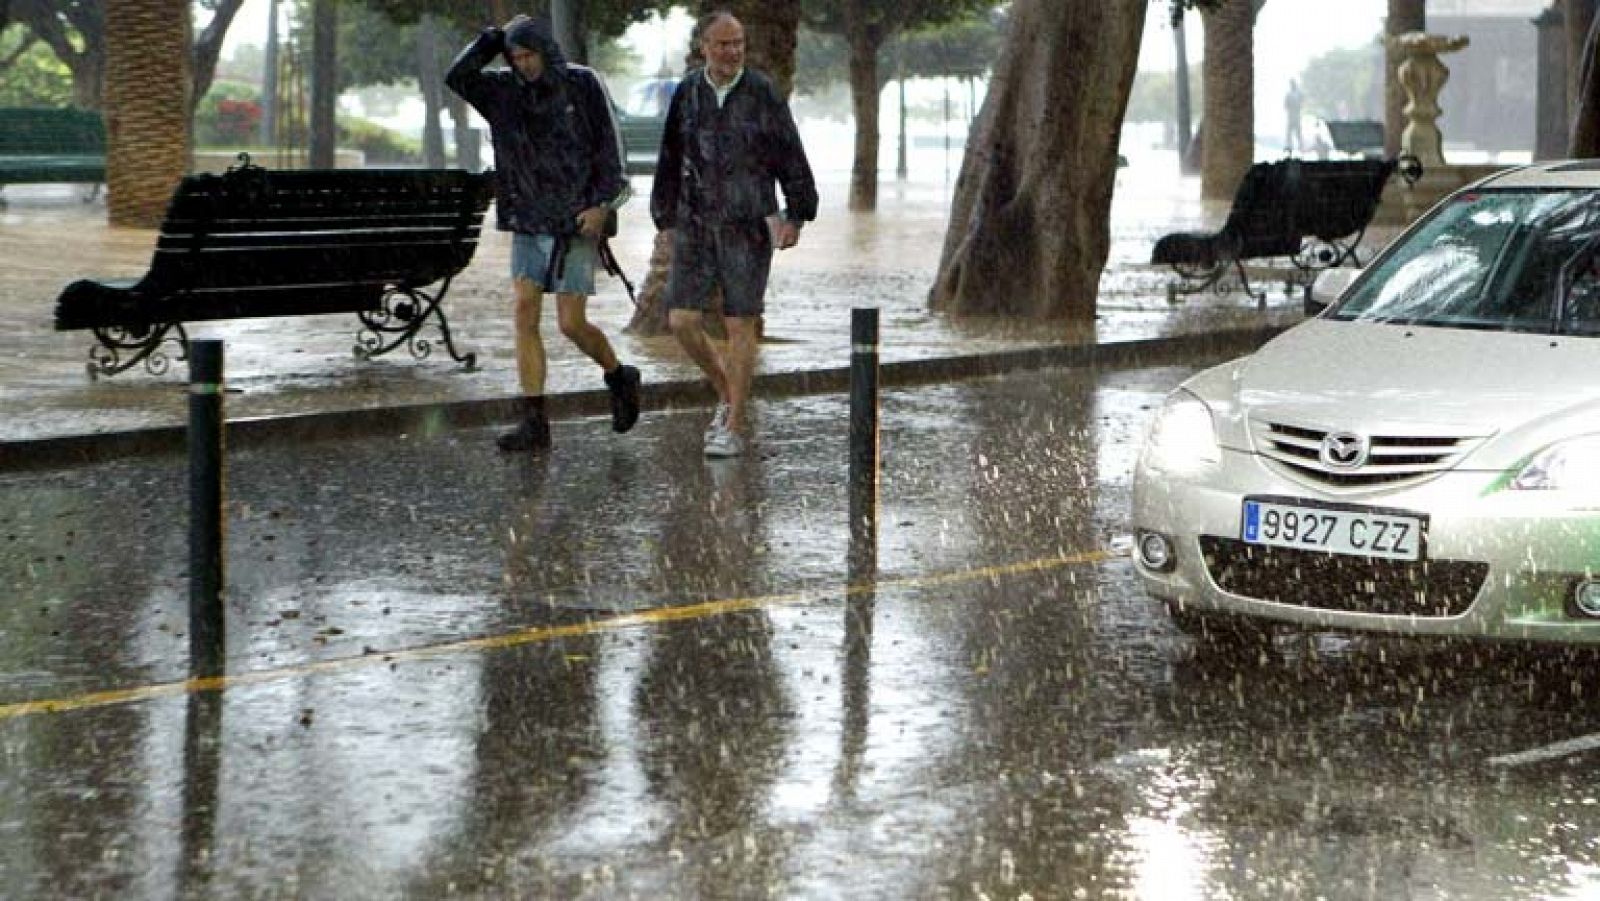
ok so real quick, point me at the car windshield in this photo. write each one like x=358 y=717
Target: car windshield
x=1510 y=260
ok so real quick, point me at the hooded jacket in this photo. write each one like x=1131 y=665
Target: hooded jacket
x=556 y=149
x=719 y=164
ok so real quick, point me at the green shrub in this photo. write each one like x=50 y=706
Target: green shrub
x=380 y=145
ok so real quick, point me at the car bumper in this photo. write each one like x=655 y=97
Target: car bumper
x=1498 y=564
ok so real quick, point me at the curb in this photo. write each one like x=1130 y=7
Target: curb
x=68 y=451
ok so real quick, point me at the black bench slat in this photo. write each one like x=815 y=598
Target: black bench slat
x=253 y=243
x=319 y=206
x=403 y=265
x=92 y=306
x=238 y=225
x=266 y=240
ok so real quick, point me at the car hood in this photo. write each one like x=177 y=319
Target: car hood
x=1377 y=378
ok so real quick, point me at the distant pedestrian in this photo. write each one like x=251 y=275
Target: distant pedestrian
x=1292 y=140
x=729 y=137
x=558 y=176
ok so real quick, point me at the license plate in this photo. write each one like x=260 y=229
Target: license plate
x=1353 y=531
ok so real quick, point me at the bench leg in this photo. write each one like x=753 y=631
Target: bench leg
x=1260 y=297
x=143 y=343
x=1193 y=278
x=399 y=319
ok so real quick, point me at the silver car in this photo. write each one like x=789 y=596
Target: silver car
x=1422 y=458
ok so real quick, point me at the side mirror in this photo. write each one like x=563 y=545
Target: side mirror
x=1329 y=284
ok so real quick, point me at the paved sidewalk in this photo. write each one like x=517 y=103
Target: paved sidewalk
x=304 y=367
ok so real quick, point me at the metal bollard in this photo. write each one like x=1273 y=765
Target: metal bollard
x=206 y=522
x=863 y=435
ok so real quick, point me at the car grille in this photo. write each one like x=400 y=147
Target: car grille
x=1336 y=582
x=1394 y=459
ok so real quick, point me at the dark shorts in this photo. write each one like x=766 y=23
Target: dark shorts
x=737 y=256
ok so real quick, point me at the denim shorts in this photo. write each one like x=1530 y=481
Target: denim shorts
x=530 y=259
x=737 y=256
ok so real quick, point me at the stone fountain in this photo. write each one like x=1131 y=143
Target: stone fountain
x=1423 y=76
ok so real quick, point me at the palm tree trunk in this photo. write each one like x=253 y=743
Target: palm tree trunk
x=1228 y=141
x=147 y=105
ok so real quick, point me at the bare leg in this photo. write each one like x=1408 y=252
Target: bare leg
x=689 y=328
x=572 y=313
x=529 y=344
x=743 y=341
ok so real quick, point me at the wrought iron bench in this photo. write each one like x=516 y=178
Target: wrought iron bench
x=43 y=146
x=254 y=243
x=1312 y=212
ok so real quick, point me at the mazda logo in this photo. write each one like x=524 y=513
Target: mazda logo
x=1345 y=450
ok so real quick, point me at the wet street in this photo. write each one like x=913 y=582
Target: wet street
x=629 y=672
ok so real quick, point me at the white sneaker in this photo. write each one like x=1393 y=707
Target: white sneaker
x=719 y=420
x=724 y=442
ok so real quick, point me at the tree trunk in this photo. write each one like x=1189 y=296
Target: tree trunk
x=1028 y=233
x=1185 y=126
x=468 y=148
x=1404 y=16
x=324 y=82
x=902 y=163
x=269 y=79
x=1229 y=144
x=1578 y=16
x=771 y=28
x=89 y=80
x=208 y=46
x=566 y=19
x=1586 y=121
x=430 y=81
x=864 y=91
x=147 y=108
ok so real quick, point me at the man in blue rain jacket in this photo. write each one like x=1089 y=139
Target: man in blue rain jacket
x=558 y=176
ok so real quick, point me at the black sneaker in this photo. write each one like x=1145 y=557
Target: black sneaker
x=624 y=385
x=532 y=434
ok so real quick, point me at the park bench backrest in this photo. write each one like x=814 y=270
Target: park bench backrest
x=236 y=245
x=27 y=131
x=1336 y=198
x=1278 y=203
x=1262 y=217
x=1357 y=136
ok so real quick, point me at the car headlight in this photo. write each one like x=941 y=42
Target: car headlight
x=1183 y=438
x=1566 y=466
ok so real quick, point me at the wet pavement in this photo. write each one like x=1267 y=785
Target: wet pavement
x=627 y=672
x=303 y=366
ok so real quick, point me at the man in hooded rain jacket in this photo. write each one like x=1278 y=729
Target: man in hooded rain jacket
x=558 y=175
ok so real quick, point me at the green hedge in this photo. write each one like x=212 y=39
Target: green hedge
x=380 y=145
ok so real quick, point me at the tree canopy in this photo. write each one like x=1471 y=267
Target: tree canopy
x=75 y=31
x=865 y=26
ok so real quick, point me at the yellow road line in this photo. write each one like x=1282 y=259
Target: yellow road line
x=533 y=635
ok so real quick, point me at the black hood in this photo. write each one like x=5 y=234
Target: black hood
x=536 y=35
